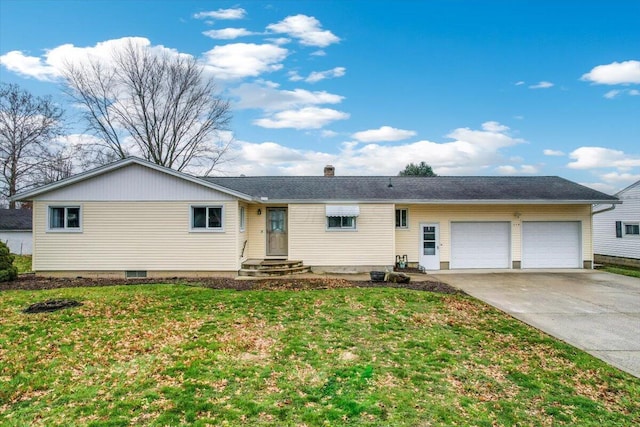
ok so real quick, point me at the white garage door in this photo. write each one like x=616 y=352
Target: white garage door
x=551 y=244
x=480 y=244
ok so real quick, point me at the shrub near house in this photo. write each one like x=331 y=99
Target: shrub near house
x=8 y=271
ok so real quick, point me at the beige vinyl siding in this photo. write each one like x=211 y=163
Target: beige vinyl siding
x=150 y=185
x=255 y=232
x=408 y=240
x=370 y=245
x=136 y=236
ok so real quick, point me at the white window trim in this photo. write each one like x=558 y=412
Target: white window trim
x=64 y=229
x=624 y=229
x=343 y=229
x=206 y=229
x=242 y=214
x=406 y=226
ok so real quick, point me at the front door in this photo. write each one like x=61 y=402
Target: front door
x=277 y=232
x=429 y=250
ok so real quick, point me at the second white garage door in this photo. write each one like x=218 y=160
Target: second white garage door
x=554 y=244
x=480 y=244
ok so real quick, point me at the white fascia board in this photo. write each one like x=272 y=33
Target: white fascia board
x=26 y=195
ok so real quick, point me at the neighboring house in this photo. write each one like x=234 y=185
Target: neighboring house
x=15 y=230
x=616 y=233
x=135 y=218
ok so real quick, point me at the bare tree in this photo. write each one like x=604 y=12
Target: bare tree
x=156 y=104
x=57 y=166
x=28 y=125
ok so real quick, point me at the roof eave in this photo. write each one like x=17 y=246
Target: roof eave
x=445 y=202
x=27 y=195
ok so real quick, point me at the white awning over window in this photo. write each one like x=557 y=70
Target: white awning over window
x=338 y=210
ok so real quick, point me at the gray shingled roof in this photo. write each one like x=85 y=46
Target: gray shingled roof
x=432 y=189
x=15 y=219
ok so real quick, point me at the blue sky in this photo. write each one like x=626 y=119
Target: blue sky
x=470 y=87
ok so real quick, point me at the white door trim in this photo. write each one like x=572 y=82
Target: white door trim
x=429 y=262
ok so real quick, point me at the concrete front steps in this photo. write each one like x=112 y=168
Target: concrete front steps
x=271 y=268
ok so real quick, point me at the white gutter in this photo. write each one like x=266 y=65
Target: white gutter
x=610 y=208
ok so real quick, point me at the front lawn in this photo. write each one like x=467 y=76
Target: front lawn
x=22 y=263
x=626 y=271
x=187 y=355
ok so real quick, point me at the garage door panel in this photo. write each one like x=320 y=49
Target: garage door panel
x=555 y=244
x=480 y=244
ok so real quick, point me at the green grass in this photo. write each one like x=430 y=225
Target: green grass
x=185 y=355
x=626 y=271
x=23 y=263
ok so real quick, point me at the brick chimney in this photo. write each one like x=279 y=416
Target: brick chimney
x=329 y=170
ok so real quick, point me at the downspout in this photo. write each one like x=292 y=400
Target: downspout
x=610 y=208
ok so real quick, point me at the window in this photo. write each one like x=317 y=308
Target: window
x=401 y=218
x=632 y=229
x=341 y=222
x=133 y=274
x=342 y=217
x=242 y=218
x=64 y=218
x=206 y=218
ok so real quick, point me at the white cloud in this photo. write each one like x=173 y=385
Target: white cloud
x=304 y=118
x=513 y=170
x=506 y=170
x=600 y=157
x=599 y=186
x=520 y=83
x=615 y=92
x=493 y=126
x=294 y=76
x=626 y=72
x=238 y=60
x=78 y=139
x=305 y=28
x=267 y=97
x=479 y=151
x=549 y=152
x=318 y=53
x=224 y=14
x=228 y=33
x=384 y=133
x=612 y=94
x=269 y=152
x=328 y=133
x=278 y=40
x=29 y=66
x=489 y=138
x=541 y=85
x=617 y=177
x=49 y=67
x=316 y=76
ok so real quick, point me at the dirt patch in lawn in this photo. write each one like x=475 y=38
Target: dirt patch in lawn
x=32 y=282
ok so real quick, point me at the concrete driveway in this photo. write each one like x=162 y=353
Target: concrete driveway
x=594 y=311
